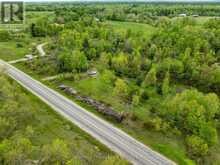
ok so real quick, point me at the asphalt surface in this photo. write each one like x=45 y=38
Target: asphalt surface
x=106 y=133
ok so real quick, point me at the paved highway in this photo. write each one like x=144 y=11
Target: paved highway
x=115 y=139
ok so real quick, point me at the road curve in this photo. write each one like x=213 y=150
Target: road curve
x=115 y=139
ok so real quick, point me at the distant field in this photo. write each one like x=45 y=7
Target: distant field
x=140 y=28
x=202 y=20
x=199 y=20
x=32 y=17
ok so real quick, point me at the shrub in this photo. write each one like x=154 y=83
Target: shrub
x=196 y=146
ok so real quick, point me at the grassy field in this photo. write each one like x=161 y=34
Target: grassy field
x=200 y=20
x=10 y=51
x=172 y=147
x=140 y=28
x=32 y=17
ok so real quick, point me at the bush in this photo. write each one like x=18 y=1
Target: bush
x=19 y=45
x=114 y=160
x=193 y=112
x=154 y=124
x=121 y=89
x=135 y=100
x=4 y=36
x=133 y=116
x=196 y=146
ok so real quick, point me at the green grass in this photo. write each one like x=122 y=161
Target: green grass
x=173 y=147
x=32 y=16
x=52 y=125
x=202 y=20
x=168 y=145
x=141 y=28
x=199 y=20
x=10 y=51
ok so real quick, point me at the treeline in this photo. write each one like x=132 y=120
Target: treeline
x=145 y=13
x=149 y=13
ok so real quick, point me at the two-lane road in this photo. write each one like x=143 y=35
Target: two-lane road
x=115 y=139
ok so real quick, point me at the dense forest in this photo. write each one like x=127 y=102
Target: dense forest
x=166 y=82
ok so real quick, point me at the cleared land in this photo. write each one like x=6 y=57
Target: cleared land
x=139 y=28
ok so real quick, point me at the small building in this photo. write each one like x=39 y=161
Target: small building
x=182 y=15
x=195 y=15
x=29 y=56
x=62 y=87
x=92 y=72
